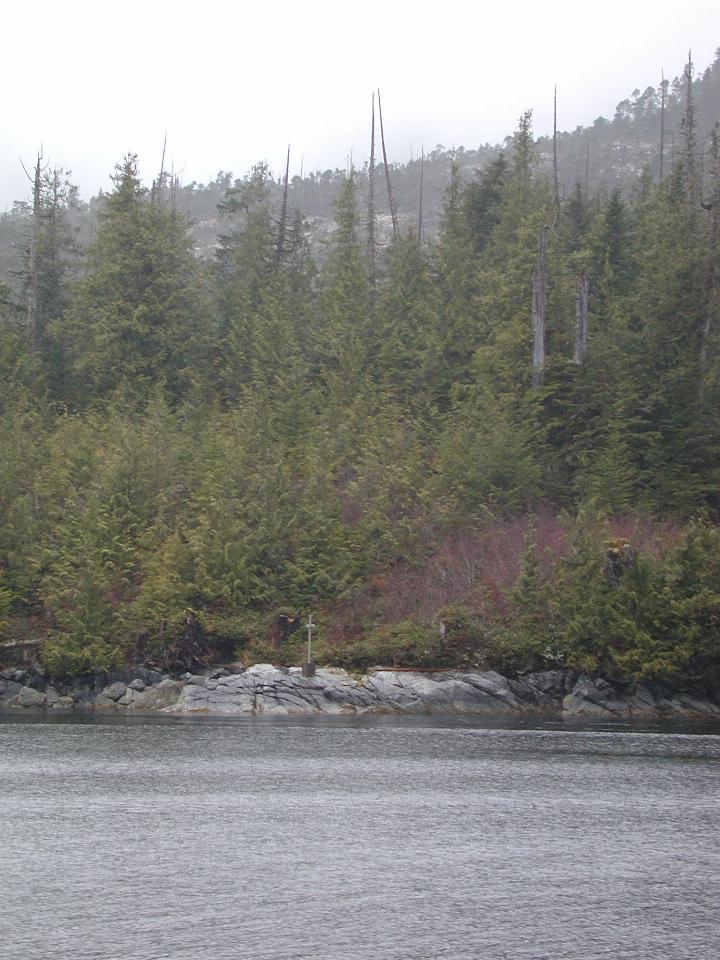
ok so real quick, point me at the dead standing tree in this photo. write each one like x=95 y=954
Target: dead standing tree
x=32 y=281
x=371 y=206
x=420 y=205
x=582 y=296
x=158 y=186
x=689 y=135
x=283 y=223
x=538 y=307
x=556 y=179
x=712 y=293
x=663 y=99
x=391 y=200
x=539 y=280
x=582 y=284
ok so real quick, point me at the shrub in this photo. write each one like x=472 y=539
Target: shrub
x=404 y=644
x=463 y=638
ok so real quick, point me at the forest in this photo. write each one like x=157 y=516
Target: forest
x=487 y=438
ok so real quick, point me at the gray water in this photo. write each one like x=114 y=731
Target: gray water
x=365 y=839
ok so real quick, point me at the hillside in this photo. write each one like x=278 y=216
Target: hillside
x=497 y=445
x=606 y=154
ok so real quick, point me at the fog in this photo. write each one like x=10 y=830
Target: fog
x=90 y=81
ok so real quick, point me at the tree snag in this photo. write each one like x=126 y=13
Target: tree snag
x=582 y=294
x=538 y=307
x=391 y=201
x=371 y=205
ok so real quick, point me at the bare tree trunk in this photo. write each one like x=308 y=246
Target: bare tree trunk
x=582 y=295
x=391 y=202
x=689 y=134
x=587 y=167
x=712 y=299
x=420 y=208
x=371 y=205
x=538 y=307
x=282 y=226
x=157 y=185
x=556 y=180
x=663 y=95
x=34 y=266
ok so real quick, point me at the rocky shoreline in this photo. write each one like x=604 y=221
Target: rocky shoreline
x=267 y=690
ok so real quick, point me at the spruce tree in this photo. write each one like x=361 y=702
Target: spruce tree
x=136 y=318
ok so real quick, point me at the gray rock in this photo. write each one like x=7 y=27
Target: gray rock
x=548 y=682
x=159 y=697
x=595 y=698
x=83 y=695
x=265 y=670
x=575 y=707
x=266 y=689
x=115 y=690
x=101 y=702
x=63 y=703
x=237 y=667
x=149 y=676
x=685 y=704
x=9 y=689
x=15 y=674
x=28 y=697
x=215 y=673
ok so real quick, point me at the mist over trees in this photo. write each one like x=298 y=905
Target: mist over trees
x=321 y=405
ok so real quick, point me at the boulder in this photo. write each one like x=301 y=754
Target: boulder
x=160 y=696
x=266 y=670
x=115 y=690
x=216 y=672
x=63 y=703
x=101 y=702
x=15 y=674
x=28 y=697
x=137 y=684
x=9 y=689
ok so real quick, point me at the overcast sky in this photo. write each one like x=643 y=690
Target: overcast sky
x=92 y=80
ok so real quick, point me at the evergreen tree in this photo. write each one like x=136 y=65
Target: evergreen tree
x=136 y=318
x=483 y=200
x=345 y=341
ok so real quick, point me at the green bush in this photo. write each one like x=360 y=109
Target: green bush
x=465 y=639
x=66 y=656
x=6 y=599
x=404 y=644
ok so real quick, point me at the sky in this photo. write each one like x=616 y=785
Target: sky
x=232 y=84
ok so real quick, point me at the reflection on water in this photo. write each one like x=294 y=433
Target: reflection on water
x=355 y=839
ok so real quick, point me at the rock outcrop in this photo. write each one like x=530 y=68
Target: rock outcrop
x=264 y=689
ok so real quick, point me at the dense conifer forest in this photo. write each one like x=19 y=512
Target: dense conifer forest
x=502 y=418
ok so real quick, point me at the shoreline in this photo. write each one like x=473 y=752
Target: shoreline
x=263 y=690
